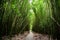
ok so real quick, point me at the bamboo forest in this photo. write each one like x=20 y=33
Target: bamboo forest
x=30 y=20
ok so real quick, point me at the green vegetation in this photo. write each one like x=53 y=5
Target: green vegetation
x=14 y=18
x=42 y=16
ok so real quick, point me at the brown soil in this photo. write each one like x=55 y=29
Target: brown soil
x=36 y=36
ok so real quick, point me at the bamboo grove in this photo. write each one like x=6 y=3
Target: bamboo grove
x=41 y=16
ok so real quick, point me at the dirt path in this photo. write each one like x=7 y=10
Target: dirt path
x=28 y=36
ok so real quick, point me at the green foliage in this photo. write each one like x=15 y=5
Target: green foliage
x=14 y=19
x=56 y=13
x=17 y=16
x=43 y=13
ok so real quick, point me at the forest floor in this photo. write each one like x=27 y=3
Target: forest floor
x=28 y=36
